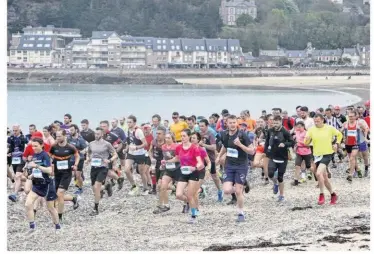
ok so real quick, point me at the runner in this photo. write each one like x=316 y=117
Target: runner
x=123 y=125
x=156 y=156
x=100 y=154
x=259 y=144
x=156 y=122
x=367 y=109
x=47 y=136
x=62 y=154
x=278 y=140
x=151 y=176
x=322 y=136
x=245 y=118
x=86 y=133
x=303 y=153
x=136 y=154
x=32 y=130
x=338 y=115
x=80 y=144
x=192 y=124
x=42 y=185
x=237 y=146
x=269 y=119
x=120 y=148
x=177 y=127
x=334 y=122
x=287 y=121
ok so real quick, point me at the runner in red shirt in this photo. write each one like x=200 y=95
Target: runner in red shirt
x=29 y=151
x=147 y=130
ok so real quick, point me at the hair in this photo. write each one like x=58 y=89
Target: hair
x=132 y=117
x=215 y=115
x=263 y=111
x=171 y=135
x=32 y=125
x=320 y=109
x=75 y=127
x=277 y=118
x=358 y=107
x=211 y=117
x=99 y=129
x=157 y=116
x=312 y=114
x=85 y=121
x=105 y=122
x=305 y=109
x=301 y=123
x=190 y=118
x=232 y=117
x=188 y=132
x=46 y=128
x=183 y=118
x=354 y=112
x=194 y=117
x=298 y=107
x=226 y=115
x=161 y=128
x=206 y=123
x=197 y=135
x=63 y=132
x=277 y=109
x=319 y=116
x=328 y=110
x=262 y=117
x=268 y=116
x=68 y=116
x=166 y=120
x=38 y=140
x=175 y=114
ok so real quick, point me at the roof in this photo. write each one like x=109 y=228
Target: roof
x=234 y=3
x=233 y=45
x=327 y=52
x=175 y=44
x=216 y=45
x=350 y=51
x=296 y=53
x=264 y=59
x=36 y=42
x=160 y=44
x=248 y=57
x=102 y=34
x=193 y=44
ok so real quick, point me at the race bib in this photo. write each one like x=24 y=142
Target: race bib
x=170 y=165
x=186 y=170
x=317 y=158
x=37 y=173
x=351 y=133
x=278 y=161
x=146 y=154
x=62 y=165
x=233 y=153
x=16 y=160
x=96 y=162
x=342 y=146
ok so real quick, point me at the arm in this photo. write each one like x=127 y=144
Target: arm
x=151 y=153
x=308 y=138
x=89 y=153
x=364 y=127
x=208 y=163
x=112 y=152
x=175 y=159
x=339 y=136
x=289 y=141
x=200 y=164
x=246 y=147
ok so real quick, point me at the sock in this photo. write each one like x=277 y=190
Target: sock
x=13 y=181
x=240 y=211
x=60 y=216
x=96 y=206
x=74 y=200
x=233 y=196
x=193 y=212
x=366 y=167
x=57 y=226
x=32 y=225
x=154 y=187
x=153 y=177
x=34 y=212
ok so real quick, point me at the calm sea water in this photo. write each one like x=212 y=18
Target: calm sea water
x=42 y=104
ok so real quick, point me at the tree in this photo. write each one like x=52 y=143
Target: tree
x=244 y=20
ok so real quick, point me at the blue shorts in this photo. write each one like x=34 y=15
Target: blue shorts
x=363 y=147
x=47 y=191
x=235 y=174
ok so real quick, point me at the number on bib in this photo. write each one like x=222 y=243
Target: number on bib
x=62 y=165
x=170 y=165
x=16 y=160
x=96 y=162
x=233 y=153
x=317 y=158
x=186 y=170
x=37 y=173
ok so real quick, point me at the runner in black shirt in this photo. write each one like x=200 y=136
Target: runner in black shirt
x=86 y=133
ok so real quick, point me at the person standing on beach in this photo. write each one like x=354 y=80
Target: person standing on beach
x=236 y=146
x=322 y=136
x=177 y=127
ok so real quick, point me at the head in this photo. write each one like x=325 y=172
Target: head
x=367 y=105
x=263 y=113
x=224 y=112
x=216 y=117
x=74 y=130
x=175 y=117
x=99 y=133
x=212 y=120
x=300 y=126
x=277 y=122
x=146 y=129
x=67 y=119
x=166 y=123
x=225 y=118
x=320 y=111
x=84 y=124
x=337 y=110
x=191 y=123
x=277 y=111
x=360 y=111
x=352 y=116
x=243 y=126
x=169 y=138
x=285 y=114
x=32 y=129
x=270 y=120
x=61 y=136
x=243 y=115
x=195 y=138
x=328 y=112
x=156 y=120
x=304 y=112
x=131 y=121
x=232 y=122
x=331 y=107
x=16 y=129
x=57 y=125
x=160 y=133
x=261 y=122
x=37 y=145
x=122 y=120
x=104 y=125
x=46 y=131
x=298 y=111
x=203 y=125
x=318 y=120
x=186 y=134
x=183 y=118
x=114 y=123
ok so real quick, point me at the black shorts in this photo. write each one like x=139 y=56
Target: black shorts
x=9 y=161
x=175 y=174
x=121 y=155
x=202 y=174
x=80 y=166
x=159 y=172
x=213 y=168
x=274 y=166
x=148 y=161
x=350 y=148
x=326 y=159
x=63 y=179
x=48 y=191
x=300 y=158
x=98 y=174
x=138 y=159
x=194 y=176
x=18 y=168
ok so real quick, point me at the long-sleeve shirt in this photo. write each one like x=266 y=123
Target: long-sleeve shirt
x=273 y=139
x=322 y=139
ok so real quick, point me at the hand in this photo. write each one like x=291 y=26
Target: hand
x=74 y=168
x=201 y=143
x=107 y=161
x=163 y=162
x=237 y=142
x=281 y=145
x=32 y=164
x=9 y=155
x=132 y=147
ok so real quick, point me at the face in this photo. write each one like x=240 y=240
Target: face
x=264 y=113
x=130 y=123
x=166 y=124
x=276 y=112
x=225 y=121
x=160 y=135
x=57 y=126
x=367 y=107
x=299 y=127
x=122 y=120
x=285 y=115
x=328 y=113
x=98 y=134
x=155 y=121
x=277 y=124
x=361 y=111
x=168 y=139
x=59 y=137
x=32 y=130
x=211 y=120
x=303 y=114
x=190 y=124
x=104 y=126
x=298 y=112
x=175 y=118
x=318 y=121
x=66 y=120
x=337 y=111
x=16 y=130
x=232 y=124
x=185 y=138
x=46 y=133
x=242 y=116
x=270 y=121
x=72 y=131
x=114 y=124
x=147 y=131
x=351 y=117
x=84 y=126
x=36 y=147
x=261 y=122
x=194 y=139
x=203 y=127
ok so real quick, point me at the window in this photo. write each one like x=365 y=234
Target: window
x=164 y=41
x=172 y=47
x=47 y=45
x=236 y=48
x=172 y=41
x=48 y=38
x=25 y=45
x=231 y=10
x=12 y=52
x=118 y=46
x=32 y=39
x=111 y=59
x=177 y=47
x=202 y=48
x=158 y=41
x=197 y=47
x=232 y=48
x=25 y=59
x=25 y=52
x=158 y=46
x=224 y=48
x=210 y=47
x=41 y=39
x=47 y=53
x=164 y=46
x=185 y=47
x=19 y=52
x=19 y=58
x=42 y=53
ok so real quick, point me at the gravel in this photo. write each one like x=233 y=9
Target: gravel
x=128 y=224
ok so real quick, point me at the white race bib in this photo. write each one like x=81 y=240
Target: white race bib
x=96 y=162
x=37 y=173
x=278 y=161
x=233 y=153
x=170 y=165
x=186 y=170
x=138 y=152
x=317 y=158
x=352 y=133
x=342 y=145
x=146 y=154
x=16 y=160
x=62 y=165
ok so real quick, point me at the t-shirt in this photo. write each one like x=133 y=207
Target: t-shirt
x=112 y=138
x=120 y=133
x=149 y=140
x=367 y=120
x=136 y=137
x=235 y=156
x=61 y=155
x=251 y=123
x=169 y=152
x=88 y=135
x=188 y=157
x=301 y=149
x=100 y=150
x=79 y=143
x=30 y=152
x=41 y=159
x=322 y=139
x=203 y=153
x=288 y=123
x=16 y=145
x=177 y=129
x=208 y=138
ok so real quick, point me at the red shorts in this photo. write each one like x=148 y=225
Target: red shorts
x=260 y=149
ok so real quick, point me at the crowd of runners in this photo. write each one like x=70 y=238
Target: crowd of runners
x=179 y=158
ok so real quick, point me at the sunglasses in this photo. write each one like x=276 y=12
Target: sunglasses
x=175 y=117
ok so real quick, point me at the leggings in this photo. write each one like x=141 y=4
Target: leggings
x=274 y=166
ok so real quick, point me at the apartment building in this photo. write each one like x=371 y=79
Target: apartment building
x=217 y=52
x=76 y=53
x=133 y=52
x=230 y=10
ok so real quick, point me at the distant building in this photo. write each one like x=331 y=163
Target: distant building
x=264 y=62
x=364 y=52
x=230 y=10
x=296 y=56
x=327 y=55
x=352 y=54
x=277 y=54
x=337 y=1
x=76 y=54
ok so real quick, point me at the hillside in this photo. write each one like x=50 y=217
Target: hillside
x=287 y=23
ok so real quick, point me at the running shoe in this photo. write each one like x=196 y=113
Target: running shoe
x=78 y=192
x=152 y=192
x=186 y=208
x=76 y=203
x=240 y=218
x=13 y=197
x=145 y=192
x=349 y=178
x=310 y=176
x=192 y=220
x=321 y=199
x=134 y=191
x=232 y=201
x=334 y=198
x=120 y=182
x=246 y=188
x=295 y=183
x=280 y=198
x=366 y=173
x=359 y=174
x=220 y=196
x=94 y=212
x=161 y=209
x=275 y=189
x=109 y=189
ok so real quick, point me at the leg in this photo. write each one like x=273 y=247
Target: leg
x=61 y=202
x=266 y=166
x=143 y=174
x=352 y=161
x=192 y=188
x=53 y=212
x=281 y=171
x=180 y=191
x=164 y=190
x=128 y=171
x=31 y=198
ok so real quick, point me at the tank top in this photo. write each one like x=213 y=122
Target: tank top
x=157 y=151
x=351 y=134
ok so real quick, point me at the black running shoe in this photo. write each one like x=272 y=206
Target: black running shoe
x=246 y=188
x=232 y=202
x=109 y=189
x=76 y=203
x=94 y=212
x=120 y=182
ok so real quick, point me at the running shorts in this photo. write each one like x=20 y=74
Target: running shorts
x=63 y=180
x=194 y=176
x=326 y=159
x=138 y=159
x=300 y=158
x=235 y=174
x=175 y=174
x=48 y=191
x=202 y=174
x=98 y=174
x=349 y=149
